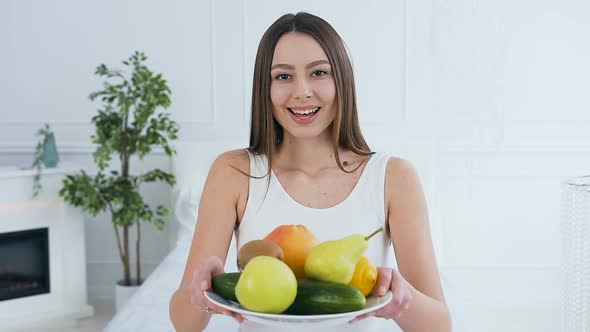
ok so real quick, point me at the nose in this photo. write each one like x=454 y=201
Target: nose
x=303 y=90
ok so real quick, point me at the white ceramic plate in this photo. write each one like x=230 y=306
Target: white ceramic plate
x=373 y=303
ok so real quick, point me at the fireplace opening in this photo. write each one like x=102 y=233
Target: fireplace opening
x=24 y=263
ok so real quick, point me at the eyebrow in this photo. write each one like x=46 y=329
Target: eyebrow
x=309 y=65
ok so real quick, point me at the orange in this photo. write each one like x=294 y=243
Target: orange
x=296 y=242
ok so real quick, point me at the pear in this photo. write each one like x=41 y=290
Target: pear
x=336 y=260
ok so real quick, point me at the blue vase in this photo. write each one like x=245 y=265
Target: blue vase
x=50 y=157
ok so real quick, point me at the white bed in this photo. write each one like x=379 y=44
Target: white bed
x=147 y=310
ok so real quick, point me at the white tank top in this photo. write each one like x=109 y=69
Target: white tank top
x=363 y=211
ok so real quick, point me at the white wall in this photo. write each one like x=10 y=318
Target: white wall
x=507 y=91
x=497 y=87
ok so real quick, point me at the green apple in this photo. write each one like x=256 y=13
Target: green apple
x=266 y=285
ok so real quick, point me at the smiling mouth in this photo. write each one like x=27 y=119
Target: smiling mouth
x=306 y=112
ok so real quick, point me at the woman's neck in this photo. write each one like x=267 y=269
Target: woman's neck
x=308 y=155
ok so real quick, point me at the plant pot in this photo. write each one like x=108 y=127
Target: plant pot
x=123 y=293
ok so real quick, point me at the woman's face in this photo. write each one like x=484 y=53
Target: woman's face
x=302 y=89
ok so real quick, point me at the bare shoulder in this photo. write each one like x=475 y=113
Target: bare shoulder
x=228 y=174
x=230 y=162
x=403 y=190
x=400 y=172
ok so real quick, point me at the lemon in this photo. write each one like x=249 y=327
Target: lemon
x=365 y=276
x=266 y=285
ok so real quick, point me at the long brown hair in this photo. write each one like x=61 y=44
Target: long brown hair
x=265 y=132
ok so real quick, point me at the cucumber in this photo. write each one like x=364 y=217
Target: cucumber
x=225 y=285
x=316 y=297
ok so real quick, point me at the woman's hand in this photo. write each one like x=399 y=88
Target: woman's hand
x=389 y=279
x=201 y=282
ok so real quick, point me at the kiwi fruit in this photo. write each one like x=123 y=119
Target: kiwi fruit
x=258 y=248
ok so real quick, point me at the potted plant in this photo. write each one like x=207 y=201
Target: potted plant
x=45 y=155
x=129 y=124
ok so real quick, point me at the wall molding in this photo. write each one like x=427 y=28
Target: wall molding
x=27 y=147
x=520 y=149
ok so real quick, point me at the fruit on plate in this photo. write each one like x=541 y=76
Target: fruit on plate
x=266 y=285
x=258 y=248
x=336 y=260
x=225 y=285
x=364 y=277
x=316 y=297
x=296 y=242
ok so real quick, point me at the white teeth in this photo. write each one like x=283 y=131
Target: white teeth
x=304 y=112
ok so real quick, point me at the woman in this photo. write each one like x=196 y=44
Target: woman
x=323 y=175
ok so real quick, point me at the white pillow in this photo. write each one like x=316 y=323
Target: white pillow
x=186 y=206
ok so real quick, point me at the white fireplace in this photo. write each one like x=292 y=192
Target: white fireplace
x=66 y=299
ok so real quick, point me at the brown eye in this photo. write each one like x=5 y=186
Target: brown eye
x=318 y=73
x=282 y=77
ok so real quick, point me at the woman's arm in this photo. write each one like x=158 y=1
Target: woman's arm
x=418 y=302
x=218 y=214
x=407 y=217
